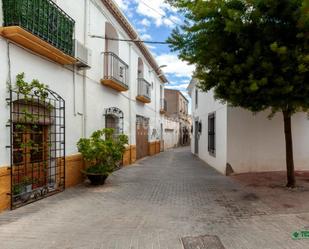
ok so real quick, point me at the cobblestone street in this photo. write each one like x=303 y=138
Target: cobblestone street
x=152 y=205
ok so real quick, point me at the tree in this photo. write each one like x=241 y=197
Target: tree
x=254 y=54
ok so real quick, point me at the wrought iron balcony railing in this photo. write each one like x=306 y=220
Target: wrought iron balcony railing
x=144 y=90
x=42 y=18
x=115 y=72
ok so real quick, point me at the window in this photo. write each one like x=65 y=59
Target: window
x=200 y=127
x=212 y=133
x=112 y=121
x=196 y=98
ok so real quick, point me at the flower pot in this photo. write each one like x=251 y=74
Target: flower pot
x=28 y=188
x=95 y=179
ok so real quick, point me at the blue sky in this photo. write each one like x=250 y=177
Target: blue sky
x=154 y=20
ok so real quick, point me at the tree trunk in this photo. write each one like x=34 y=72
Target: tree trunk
x=289 y=149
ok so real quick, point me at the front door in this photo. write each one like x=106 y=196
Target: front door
x=196 y=137
x=142 y=129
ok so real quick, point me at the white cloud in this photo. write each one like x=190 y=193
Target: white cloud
x=178 y=87
x=175 y=19
x=145 y=37
x=168 y=23
x=123 y=4
x=142 y=30
x=159 y=11
x=175 y=66
x=151 y=47
x=145 y=22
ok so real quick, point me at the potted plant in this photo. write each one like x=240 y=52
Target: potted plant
x=27 y=183
x=102 y=151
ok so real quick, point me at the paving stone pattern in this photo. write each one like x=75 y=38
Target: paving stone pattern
x=153 y=205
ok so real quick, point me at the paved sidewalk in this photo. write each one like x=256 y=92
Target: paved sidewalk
x=152 y=205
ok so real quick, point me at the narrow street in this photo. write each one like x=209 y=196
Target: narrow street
x=152 y=205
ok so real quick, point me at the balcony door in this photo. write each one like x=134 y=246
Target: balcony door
x=140 y=69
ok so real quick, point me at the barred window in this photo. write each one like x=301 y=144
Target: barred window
x=212 y=133
x=112 y=121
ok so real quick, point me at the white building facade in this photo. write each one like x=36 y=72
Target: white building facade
x=225 y=136
x=106 y=81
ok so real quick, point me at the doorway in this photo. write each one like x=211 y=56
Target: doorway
x=142 y=133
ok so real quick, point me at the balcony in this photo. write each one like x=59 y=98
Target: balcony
x=115 y=72
x=40 y=26
x=163 y=106
x=144 y=92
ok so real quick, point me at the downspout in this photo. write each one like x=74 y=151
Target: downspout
x=130 y=95
x=85 y=71
x=74 y=90
x=155 y=103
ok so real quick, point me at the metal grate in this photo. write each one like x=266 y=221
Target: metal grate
x=144 y=88
x=37 y=146
x=202 y=242
x=212 y=133
x=115 y=69
x=42 y=18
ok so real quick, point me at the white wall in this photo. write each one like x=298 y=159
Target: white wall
x=256 y=143
x=4 y=108
x=171 y=133
x=60 y=80
x=206 y=106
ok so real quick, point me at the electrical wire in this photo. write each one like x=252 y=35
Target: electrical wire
x=128 y=40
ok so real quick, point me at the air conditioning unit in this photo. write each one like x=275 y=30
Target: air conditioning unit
x=83 y=56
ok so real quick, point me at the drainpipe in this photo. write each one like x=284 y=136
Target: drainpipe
x=85 y=72
x=130 y=95
x=155 y=95
x=74 y=90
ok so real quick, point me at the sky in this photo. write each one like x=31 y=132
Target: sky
x=154 y=20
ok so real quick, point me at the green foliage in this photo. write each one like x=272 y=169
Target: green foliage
x=26 y=180
x=17 y=189
x=252 y=53
x=27 y=88
x=102 y=150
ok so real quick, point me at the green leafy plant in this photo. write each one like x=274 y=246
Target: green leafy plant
x=17 y=189
x=103 y=150
x=26 y=180
x=26 y=88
